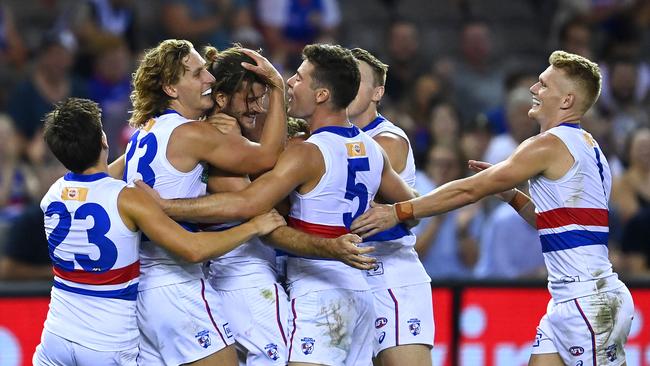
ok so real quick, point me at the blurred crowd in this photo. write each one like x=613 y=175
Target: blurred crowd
x=458 y=80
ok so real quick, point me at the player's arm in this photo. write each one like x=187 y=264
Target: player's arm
x=343 y=248
x=116 y=168
x=531 y=158
x=298 y=164
x=139 y=211
x=514 y=197
x=396 y=149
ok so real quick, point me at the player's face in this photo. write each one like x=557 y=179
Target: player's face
x=302 y=98
x=193 y=89
x=246 y=104
x=365 y=96
x=547 y=94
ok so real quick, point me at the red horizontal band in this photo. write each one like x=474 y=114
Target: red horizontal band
x=112 y=277
x=572 y=216
x=325 y=231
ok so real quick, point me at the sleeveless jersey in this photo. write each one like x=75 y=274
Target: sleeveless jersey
x=381 y=125
x=572 y=219
x=398 y=264
x=146 y=159
x=251 y=264
x=353 y=169
x=96 y=266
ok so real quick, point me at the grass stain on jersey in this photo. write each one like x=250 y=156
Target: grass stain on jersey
x=267 y=294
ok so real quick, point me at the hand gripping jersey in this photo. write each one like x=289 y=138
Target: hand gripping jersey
x=96 y=267
x=572 y=219
x=399 y=264
x=353 y=169
x=146 y=159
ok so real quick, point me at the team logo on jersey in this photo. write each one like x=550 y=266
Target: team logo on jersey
x=226 y=328
x=377 y=270
x=380 y=322
x=610 y=351
x=272 y=351
x=538 y=337
x=579 y=363
x=414 y=326
x=576 y=350
x=74 y=194
x=356 y=149
x=203 y=337
x=382 y=335
x=307 y=345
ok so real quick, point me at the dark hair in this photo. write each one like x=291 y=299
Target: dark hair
x=335 y=69
x=228 y=72
x=73 y=131
x=379 y=69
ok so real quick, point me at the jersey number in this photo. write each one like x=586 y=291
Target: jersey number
x=355 y=189
x=144 y=163
x=96 y=235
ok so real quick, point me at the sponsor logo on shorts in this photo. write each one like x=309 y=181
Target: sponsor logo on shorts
x=414 y=326
x=377 y=270
x=272 y=351
x=203 y=337
x=576 y=350
x=380 y=322
x=610 y=351
x=307 y=345
x=382 y=335
x=226 y=329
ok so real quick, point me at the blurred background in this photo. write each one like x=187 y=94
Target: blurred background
x=458 y=80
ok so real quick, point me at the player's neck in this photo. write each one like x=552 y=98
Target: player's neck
x=185 y=111
x=323 y=117
x=365 y=118
x=99 y=168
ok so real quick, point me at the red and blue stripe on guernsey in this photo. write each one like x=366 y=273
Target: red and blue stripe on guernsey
x=571 y=227
x=109 y=284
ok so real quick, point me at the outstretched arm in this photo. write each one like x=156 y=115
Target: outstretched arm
x=139 y=211
x=298 y=164
x=519 y=201
x=531 y=158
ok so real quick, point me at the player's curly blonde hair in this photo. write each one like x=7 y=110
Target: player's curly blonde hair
x=584 y=73
x=160 y=66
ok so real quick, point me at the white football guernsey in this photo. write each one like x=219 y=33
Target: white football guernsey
x=398 y=263
x=572 y=219
x=96 y=266
x=353 y=169
x=146 y=159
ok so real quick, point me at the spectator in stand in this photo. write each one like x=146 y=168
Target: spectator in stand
x=202 y=22
x=505 y=247
x=97 y=19
x=477 y=81
x=25 y=255
x=110 y=86
x=13 y=53
x=576 y=37
x=448 y=244
x=520 y=126
x=404 y=58
x=631 y=190
x=626 y=85
x=289 y=25
x=50 y=81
